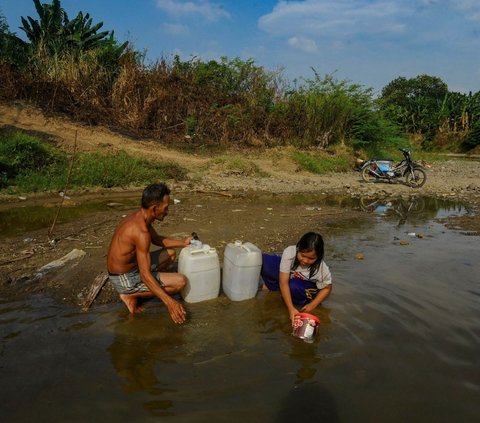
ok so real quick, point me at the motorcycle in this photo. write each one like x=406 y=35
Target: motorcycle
x=403 y=208
x=378 y=169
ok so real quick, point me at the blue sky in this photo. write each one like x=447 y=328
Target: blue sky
x=370 y=42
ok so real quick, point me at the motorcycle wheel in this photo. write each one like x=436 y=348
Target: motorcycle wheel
x=367 y=174
x=416 y=178
x=368 y=204
x=417 y=205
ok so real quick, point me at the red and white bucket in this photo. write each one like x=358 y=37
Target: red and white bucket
x=305 y=326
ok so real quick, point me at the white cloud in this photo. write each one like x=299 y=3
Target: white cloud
x=305 y=44
x=470 y=7
x=176 y=29
x=335 y=17
x=205 y=8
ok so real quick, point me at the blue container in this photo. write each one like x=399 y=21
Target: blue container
x=384 y=165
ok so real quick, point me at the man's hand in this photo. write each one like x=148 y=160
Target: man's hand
x=187 y=241
x=177 y=312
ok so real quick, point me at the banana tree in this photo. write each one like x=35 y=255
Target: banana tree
x=46 y=32
x=56 y=33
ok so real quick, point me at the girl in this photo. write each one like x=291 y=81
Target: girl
x=300 y=273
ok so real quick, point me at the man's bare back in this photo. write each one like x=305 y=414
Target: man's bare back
x=122 y=255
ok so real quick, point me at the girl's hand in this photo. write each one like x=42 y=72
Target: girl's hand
x=307 y=308
x=292 y=313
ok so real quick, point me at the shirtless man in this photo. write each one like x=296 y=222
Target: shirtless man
x=133 y=270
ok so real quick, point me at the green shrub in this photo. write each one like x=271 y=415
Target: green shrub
x=30 y=165
x=120 y=169
x=52 y=178
x=473 y=137
x=21 y=153
x=320 y=163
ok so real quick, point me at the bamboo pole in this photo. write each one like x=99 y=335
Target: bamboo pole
x=66 y=186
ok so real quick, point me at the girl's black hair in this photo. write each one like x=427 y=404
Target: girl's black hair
x=308 y=242
x=153 y=194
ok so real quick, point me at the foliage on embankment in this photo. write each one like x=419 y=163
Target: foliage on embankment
x=70 y=66
x=30 y=164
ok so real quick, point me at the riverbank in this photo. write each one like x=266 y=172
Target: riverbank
x=267 y=170
x=220 y=202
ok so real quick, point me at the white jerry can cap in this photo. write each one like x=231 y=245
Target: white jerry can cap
x=195 y=243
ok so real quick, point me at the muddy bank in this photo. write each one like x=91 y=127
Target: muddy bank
x=269 y=220
x=221 y=205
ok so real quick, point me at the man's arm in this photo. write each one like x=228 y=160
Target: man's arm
x=162 y=241
x=142 y=243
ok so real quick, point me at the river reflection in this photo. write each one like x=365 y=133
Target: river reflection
x=398 y=342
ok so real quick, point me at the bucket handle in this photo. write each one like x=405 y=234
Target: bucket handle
x=246 y=248
x=205 y=249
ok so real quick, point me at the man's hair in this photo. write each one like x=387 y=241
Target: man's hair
x=154 y=194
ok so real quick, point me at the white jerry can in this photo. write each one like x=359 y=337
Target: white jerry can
x=242 y=263
x=199 y=263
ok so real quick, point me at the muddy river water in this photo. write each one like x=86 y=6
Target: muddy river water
x=399 y=341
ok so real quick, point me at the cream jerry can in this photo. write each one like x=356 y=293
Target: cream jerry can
x=242 y=263
x=199 y=263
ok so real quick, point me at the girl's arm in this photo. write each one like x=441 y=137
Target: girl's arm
x=283 y=280
x=322 y=294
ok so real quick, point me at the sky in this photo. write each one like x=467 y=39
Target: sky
x=367 y=42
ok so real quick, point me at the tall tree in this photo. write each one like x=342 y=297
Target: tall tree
x=414 y=103
x=12 y=49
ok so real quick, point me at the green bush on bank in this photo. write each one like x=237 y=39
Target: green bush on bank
x=29 y=165
x=22 y=154
x=321 y=163
x=120 y=169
